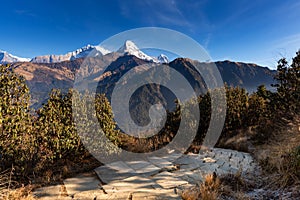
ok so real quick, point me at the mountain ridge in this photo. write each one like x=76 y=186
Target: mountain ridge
x=88 y=50
x=6 y=57
x=42 y=77
x=128 y=48
x=44 y=73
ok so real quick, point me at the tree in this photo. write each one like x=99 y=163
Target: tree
x=93 y=118
x=56 y=127
x=17 y=136
x=288 y=84
x=263 y=92
x=106 y=119
x=237 y=107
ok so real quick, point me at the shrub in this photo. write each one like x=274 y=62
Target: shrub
x=257 y=110
x=237 y=107
x=57 y=134
x=94 y=121
x=17 y=135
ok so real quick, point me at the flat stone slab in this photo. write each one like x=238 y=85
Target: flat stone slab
x=81 y=183
x=167 y=180
x=90 y=195
x=137 y=164
x=192 y=166
x=160 y=162
x=143 y=168
x=50 y=193
x=193 y=177
x=171 y=156
x=107 y=174
x=186 y=160
x=121 y=167
x=131 y=184
x=156 y=195
x=148 y=170
x=102 y=196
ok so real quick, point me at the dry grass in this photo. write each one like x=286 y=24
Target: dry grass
x=8 y=189
x=5 y=183
x=289 y=168
x=64 y=168
x=280 y=157
x=208 y=190
x=142 y=145
x=23 y=193
x=229 y=186
x=236 y=182
x=53 y=174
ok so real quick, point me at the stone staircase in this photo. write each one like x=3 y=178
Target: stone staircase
x=153 y=178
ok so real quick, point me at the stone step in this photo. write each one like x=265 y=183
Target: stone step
x=152 y=178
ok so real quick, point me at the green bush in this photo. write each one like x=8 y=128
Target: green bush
x=237 y=107
x=58 y=131
x=94 y=121
x=105 y=118
x=17 y=135
x=258 y=110
x=57 y=134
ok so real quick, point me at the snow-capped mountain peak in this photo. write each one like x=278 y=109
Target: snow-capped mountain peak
x=163 y=58
x=87 y=50
x=90 y=48
x=79 y=53
x=129 y=48
x=102 y=50
x=9 y=58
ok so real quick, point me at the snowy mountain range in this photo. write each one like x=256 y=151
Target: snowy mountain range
x=129 y=48
x=8 y=58
x=83 y=52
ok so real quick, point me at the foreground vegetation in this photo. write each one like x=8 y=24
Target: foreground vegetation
x=43 y=146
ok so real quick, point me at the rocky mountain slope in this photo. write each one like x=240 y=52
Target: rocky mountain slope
x=44 y=73
x=42 y=77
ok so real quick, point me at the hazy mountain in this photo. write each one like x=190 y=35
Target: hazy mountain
x=246 y=75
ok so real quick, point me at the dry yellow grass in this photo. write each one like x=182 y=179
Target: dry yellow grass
x=228 y=186
x=208 y=190
x=23 y=193
x=8 y=191
x=280 y=157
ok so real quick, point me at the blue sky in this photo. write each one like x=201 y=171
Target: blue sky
x=244 y=30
